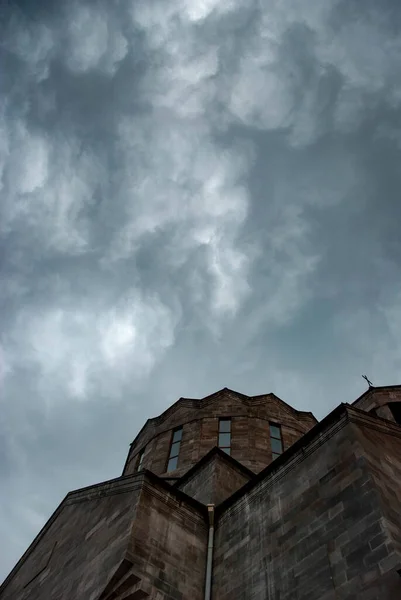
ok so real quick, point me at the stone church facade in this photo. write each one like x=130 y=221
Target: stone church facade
x=234 y=497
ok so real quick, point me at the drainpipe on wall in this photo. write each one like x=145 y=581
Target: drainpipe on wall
x=209 y=559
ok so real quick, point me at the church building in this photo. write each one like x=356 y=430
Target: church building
x=234 y=497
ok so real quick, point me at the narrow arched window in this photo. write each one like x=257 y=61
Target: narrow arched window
x=139 y=460
x=276 y=440
x=174 y=449
x=225 y=435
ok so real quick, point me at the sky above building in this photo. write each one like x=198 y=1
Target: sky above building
x=193 y=194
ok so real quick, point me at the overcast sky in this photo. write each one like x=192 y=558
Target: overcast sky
x=193 y=194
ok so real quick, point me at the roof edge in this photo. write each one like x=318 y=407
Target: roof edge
x=198 y=401
x=141 y=475
x=308 y=437
x=374 y=388
x=181 y=496
x=300 y=412
x=215 y=451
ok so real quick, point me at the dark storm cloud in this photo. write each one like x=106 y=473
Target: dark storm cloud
x=193 y=195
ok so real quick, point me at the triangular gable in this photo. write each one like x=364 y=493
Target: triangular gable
x=287 y=407
x=376 y=391
x=214 y=478
x=123 y=584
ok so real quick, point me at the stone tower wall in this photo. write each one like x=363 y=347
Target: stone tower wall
x=250 y=436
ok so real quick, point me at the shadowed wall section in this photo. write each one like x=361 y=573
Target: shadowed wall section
x=314 y=528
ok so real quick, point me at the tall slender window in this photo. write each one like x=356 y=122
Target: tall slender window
x=225 y=435
x=276 y=440
x=174 y=449
x=139 y=460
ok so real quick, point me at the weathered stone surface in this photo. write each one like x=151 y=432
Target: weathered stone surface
x=314 y=527
x=168 y=545
x=378 y=400
x=88 y=534
x=135 y=525
x=381 y=446
x=215 y=478
x=250 y=430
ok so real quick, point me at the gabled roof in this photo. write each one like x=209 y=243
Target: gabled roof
x=222 y=392
x=211 y=455
x=344 y=412
x=374 y=389
x=285 y=404
x=109 y=487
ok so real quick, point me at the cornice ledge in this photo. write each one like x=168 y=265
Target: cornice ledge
x=375 y=422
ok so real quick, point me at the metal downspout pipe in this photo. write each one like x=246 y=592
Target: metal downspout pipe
x=209 y=559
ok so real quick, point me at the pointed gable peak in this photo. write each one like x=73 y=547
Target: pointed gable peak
x=225 y=391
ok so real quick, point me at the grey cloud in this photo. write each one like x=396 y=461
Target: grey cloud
x=193 y=195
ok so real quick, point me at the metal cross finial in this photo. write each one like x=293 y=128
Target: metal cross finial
x=370 y=384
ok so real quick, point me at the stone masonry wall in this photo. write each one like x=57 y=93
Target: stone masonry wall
x=131 y=535
x=81 y=545
x=227 y=481
x=377 y=400
x=312 y=529
x=214 y=482
x=250 y=431
x=381 y=445
x=168 y=546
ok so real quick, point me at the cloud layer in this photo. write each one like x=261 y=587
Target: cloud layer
x=193 y=194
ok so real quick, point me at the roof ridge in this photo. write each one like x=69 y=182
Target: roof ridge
x=215 y=451
x=375 y=388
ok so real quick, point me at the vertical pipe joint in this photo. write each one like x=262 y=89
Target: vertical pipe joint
x=209 y=558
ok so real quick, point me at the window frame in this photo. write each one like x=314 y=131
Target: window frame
x=224 y=432
x=139 y=460
x=173 y=443
x=273 y=437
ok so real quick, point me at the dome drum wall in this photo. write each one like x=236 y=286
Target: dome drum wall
x=250 y=438
x=379 y=401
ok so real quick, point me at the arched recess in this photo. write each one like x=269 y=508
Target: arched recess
x=395 y=408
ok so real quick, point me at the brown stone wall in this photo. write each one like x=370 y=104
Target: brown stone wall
x=312 y=529
x=250 y=437
x=81 y=545
x=201 y=485
x=381 y=445
x=168 y=546
x=377 y=400
x=157 y=456
x=227 y=481
x=209 y=427
x=214 y=481
x=132 y=535
x=384 y=412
